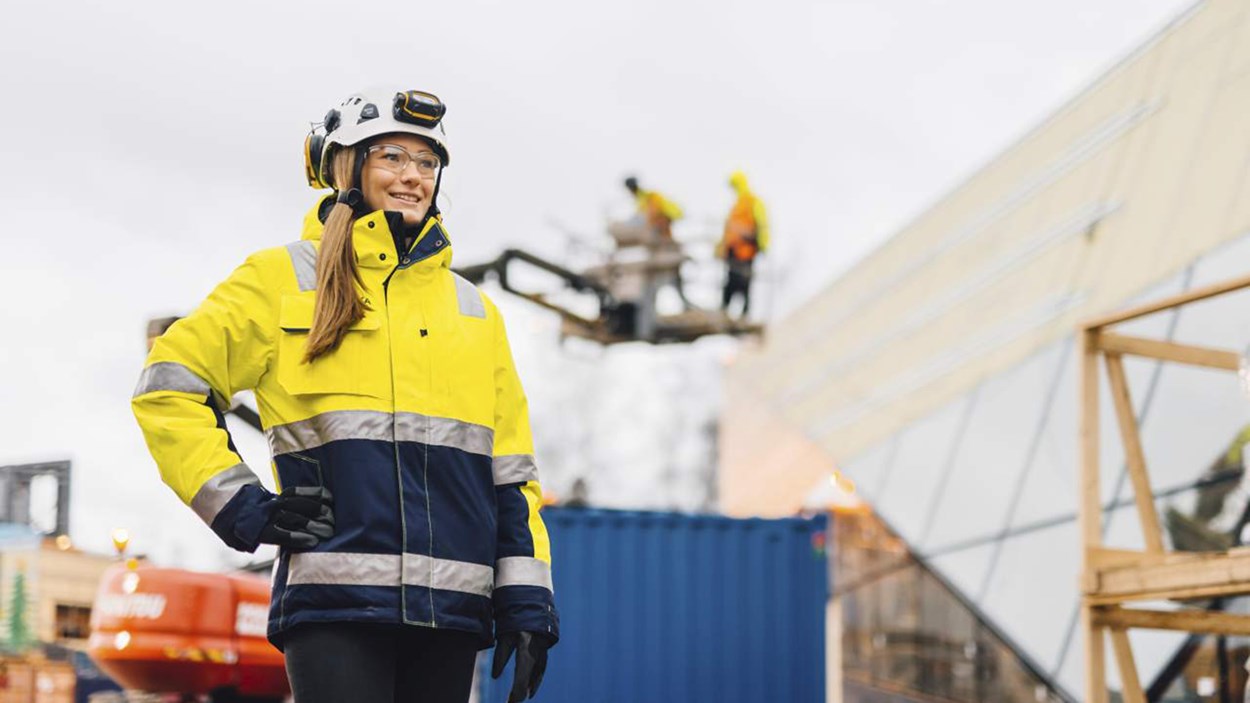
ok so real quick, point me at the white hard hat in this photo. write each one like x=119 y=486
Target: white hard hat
x=368 y=114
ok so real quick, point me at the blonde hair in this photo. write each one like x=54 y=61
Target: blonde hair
x=339 y=305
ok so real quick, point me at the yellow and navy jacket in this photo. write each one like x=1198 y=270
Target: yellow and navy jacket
x=416 y=423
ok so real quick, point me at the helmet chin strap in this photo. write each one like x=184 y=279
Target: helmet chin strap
x=433 y=211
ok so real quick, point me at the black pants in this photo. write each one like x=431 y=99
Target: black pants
x=737 y=282
x=362 y=663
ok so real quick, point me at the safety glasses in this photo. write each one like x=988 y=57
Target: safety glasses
x=395 y=158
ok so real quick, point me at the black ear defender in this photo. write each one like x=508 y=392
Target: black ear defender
x=314 y=143
x=314 y=150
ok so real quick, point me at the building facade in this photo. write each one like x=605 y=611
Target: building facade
x=53 y=585
x=940 y=373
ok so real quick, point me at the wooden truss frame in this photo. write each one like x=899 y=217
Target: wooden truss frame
x=1113 y=578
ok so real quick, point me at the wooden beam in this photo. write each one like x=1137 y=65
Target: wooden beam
x=1105 y=558
x=1091 y=500
x=1170 y=351
x=1169 y=302
x=1202 y=621
x=1216 y=574
x=1111 y=558
x=1130 y=683
x=1192 y=593
x=1133 y=455
x=1095 y=658
x=1100 y=560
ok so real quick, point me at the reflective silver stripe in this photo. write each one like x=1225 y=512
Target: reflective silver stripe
x=371 y=424
x=171 y=376
x=448 y=575
x=470 y=299
x=347 y=569
x=304 y=259
x=329 y=427
x=218 y=490
x=514 y=468
x=522 y=571
x=444 y=432
x=343 y=569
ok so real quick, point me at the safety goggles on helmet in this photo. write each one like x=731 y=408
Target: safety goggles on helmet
x=395 y=158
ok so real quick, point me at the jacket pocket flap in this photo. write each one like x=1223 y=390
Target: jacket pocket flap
x=296 y=314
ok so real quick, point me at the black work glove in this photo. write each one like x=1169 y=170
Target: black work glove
x=299 y=518
x=531 y=661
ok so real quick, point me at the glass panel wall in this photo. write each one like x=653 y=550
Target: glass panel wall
x=868 y=469
x=1143 y=378
x=922 y=460
x=1049 y=484
x=964 y=568
x=991 y=455
x=986 y=490
x=1032 y=592
x=906 y=630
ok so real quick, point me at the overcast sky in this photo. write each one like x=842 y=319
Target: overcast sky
x=150 y=146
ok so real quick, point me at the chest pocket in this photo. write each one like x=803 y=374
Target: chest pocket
x=359 y=366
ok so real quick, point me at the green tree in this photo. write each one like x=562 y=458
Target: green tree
x=19 y=630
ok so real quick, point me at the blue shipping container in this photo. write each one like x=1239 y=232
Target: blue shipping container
x=663 y=607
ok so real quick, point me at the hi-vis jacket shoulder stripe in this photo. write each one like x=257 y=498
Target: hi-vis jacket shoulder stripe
x=416 y=424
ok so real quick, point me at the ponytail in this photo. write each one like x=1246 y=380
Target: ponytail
x=339 y=305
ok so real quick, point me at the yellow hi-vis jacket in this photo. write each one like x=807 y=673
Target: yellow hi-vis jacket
x=416 y=423
x=653 y=204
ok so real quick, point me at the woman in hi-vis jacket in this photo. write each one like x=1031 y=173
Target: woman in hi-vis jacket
x=407 y=522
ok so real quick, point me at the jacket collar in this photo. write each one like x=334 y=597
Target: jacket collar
x=375 y=245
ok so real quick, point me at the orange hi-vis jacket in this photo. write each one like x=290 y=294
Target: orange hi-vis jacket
x=746 y=228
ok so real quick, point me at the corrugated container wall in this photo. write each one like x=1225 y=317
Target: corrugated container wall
x=661 y=607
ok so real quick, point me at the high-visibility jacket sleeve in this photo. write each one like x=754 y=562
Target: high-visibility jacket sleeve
x=670 y=209
x=761 y=224
x=667 y=207
x=523 y=595
x=650 y=200
x=192 y=372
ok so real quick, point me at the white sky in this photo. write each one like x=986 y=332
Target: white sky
x=150 y=146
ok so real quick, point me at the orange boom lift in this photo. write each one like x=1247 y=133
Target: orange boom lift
x=191 y=634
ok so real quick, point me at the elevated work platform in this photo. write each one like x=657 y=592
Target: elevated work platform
x=625 y=285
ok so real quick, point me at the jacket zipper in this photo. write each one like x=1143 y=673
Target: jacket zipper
x=425 y=468
x=399 y=472
x=405 y=262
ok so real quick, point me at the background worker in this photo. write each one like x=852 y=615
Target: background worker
x=745 y=237
x=407 y=519
x=659 y=212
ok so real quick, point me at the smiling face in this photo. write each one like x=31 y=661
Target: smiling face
x=406 y=192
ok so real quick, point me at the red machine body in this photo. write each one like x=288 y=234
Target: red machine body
x=172 y=630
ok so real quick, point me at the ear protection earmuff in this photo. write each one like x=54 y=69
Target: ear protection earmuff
x=314 y=151
x=314 y=143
